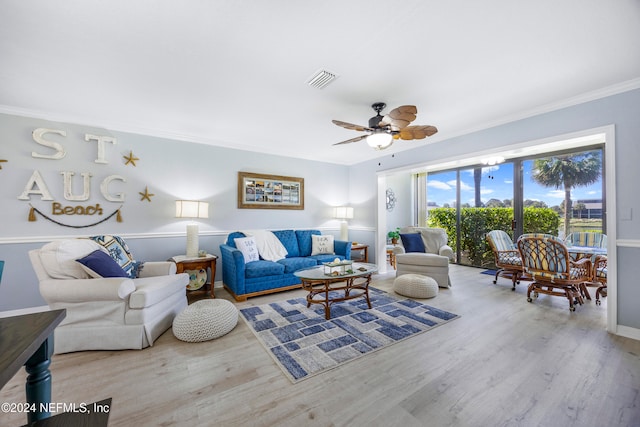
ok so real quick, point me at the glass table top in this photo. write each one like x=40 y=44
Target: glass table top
x=318 y=272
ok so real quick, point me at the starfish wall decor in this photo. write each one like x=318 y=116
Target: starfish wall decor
x=130 y=159
x=146 y=195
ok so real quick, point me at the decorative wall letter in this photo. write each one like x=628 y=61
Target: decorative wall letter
x=104 y=188
x=68 y=192
x=101 y=140
x=35 y=185
x=38 y=136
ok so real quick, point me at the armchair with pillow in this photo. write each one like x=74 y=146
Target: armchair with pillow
x=424 y=251
x=112 y=301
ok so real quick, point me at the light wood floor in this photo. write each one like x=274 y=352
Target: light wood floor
x=505 y=362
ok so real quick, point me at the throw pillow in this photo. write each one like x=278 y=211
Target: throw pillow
x=412 y=242
x=248 y=247
x=321 y=245
x=100 y=264
x=120 y=252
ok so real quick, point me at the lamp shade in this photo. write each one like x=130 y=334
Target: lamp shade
x=343 y=212
x=192 y=209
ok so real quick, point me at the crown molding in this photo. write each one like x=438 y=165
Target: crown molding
x=604 y=92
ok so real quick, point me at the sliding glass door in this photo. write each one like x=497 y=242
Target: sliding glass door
x=555 y=194
x=467 y=202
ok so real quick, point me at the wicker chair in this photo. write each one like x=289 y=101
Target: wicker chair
x=600 y=276
x=507 y=257
x=590 y=239
x=546 y=259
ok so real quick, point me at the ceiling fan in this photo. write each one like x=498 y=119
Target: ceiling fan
x=383 y=130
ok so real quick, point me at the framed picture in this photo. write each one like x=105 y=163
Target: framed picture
x=257 y=191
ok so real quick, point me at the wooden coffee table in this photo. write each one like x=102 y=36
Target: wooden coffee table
x=328 y=289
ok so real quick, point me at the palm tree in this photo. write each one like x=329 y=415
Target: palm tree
x=477 y=178
x=570 y=171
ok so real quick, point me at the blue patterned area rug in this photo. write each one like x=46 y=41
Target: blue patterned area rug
x=304 y=344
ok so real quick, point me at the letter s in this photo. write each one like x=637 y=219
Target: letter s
x=38 y=136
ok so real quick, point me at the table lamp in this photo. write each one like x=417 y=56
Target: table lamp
x=192 y=209
x=344 y=213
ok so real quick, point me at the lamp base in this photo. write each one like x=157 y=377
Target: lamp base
x=192 y=240
x=344 y=231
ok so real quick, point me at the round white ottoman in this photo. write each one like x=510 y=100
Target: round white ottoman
x=415 y=286
x=205 y=320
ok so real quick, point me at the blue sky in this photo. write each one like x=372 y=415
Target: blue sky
x=497 y=183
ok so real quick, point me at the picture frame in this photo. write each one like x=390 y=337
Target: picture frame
x=260 y=191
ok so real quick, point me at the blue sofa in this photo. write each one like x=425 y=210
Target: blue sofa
x=264 y=277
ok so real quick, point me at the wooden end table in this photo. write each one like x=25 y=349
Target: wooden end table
x=364 y=249
x=392 y=255
x=206 y=263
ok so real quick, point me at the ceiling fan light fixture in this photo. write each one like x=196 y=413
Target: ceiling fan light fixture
x=380 y=140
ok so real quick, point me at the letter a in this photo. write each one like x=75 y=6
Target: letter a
x=35 y=185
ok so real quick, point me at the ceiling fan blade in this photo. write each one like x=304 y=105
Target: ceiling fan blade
x=416 y=132
x=400 y=117
x=349 y=141
x=351 y=126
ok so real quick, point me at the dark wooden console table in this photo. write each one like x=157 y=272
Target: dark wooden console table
x=28 y=340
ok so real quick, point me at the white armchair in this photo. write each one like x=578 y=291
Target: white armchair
x=106 y=313
x=433 y=262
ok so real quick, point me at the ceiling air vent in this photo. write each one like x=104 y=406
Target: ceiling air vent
x=321 y=78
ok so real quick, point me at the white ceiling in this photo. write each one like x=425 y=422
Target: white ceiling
x=233 y=73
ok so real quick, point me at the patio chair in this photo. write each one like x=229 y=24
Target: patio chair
x=600 y=276
x=546 y=259
x=589 y=239
x=507 y=257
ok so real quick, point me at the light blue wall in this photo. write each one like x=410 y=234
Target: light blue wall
x=400 y=216
x=621 y=110
x=176 y=170
x=170 y=169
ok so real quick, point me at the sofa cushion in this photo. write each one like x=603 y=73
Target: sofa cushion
x=412 y=242
x=59 y=257
x=298 y=263
x=270 y=248
x=320 y=259
x=321 y=245
x=99 y=264
x=304 y=241
x=289 y=241
x=263 y=268
x=248 y=247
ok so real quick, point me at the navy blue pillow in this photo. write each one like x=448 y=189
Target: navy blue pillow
x=412 y=242
x=100 y=264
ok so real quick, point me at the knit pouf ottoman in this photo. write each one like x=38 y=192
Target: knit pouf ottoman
x=415 y=286
x=205 y=320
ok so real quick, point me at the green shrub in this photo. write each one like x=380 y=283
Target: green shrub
x=475 y=223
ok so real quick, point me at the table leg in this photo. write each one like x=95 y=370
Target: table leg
x=38 y=386
x=327 y=308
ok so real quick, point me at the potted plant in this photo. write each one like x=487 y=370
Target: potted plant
x=394 y=235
